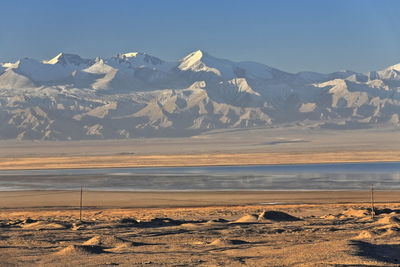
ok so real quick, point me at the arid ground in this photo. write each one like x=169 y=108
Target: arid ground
x=229 y=147
x=199 y=229
x=332 y=228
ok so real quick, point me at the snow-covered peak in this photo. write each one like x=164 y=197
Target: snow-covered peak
x=68 y=59
x=59 y=67
x=242 y=86
x=130 y=54
x=193 y=60
x=394 y=67
x=137 y=59
x=99 y=67
x=335 y=86
x=4 y=66
x=391 y=72
x=200 y=61
x=9 y=65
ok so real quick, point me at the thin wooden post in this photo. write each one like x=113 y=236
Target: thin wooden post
x=372 y=202
x=80 y=206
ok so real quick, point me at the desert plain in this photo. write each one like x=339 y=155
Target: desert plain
x=209 y=228
x=200 y=229
x=287 y=145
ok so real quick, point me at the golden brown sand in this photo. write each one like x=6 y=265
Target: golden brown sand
x=199 y=229
x=53 y=199
x=115 y=161
x=229 y=147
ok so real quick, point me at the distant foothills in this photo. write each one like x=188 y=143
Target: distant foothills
x=138 y=95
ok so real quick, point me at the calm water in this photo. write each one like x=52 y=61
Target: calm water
x=349 y=176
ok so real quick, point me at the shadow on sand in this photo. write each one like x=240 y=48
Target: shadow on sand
x=383 y=253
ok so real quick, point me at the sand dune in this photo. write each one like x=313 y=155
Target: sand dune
x=107 y=241
x=44 y=226
x=278 y=216
x=80 y=250
x=249 y=218
x=246 y=235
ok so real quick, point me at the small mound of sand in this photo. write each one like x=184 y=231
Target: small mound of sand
x=356 y=213
x=278 y=216
x=80 y=250
x=190 y=225
x=333 y=217
x=198 y=243
x=44 y=226
x=389 y=219
x=227 y=242
x=385 y=231
x=365 y=235
x=249 y=218
x=220 y=220
x=329 y=217
x=107 y=241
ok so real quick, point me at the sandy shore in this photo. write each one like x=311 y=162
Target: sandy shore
x=116 y=161
x=199 y=229
x=54 y=199
x=229 y=147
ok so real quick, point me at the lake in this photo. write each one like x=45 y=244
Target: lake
x=344 y=176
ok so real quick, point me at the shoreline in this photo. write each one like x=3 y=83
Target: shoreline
x=207 y=166
x=195 y=160
x=51 y=199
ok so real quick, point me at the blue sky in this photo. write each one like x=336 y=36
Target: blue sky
x=295 y=35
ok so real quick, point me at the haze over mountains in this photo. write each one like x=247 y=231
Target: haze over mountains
x=139 y=95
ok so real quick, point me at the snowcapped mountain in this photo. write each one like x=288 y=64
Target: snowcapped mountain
x=54 y=69
x=136 y=94
x=69 y=59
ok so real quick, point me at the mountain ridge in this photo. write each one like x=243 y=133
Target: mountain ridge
x=135 y=94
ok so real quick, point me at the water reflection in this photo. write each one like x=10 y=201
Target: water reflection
x=278 y=177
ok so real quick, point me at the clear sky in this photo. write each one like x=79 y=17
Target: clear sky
x=318 y=35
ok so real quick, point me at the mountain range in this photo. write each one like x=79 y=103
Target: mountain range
x=138 y=95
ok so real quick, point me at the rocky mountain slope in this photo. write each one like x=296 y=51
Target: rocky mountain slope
x=139 y=95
